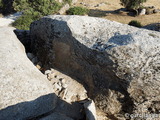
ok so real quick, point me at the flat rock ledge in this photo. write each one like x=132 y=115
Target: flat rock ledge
x=117 y=64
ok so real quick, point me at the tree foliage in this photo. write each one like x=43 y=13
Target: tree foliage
x=33 y=10
x=44 y=7
x=1 y=4
x=6 y=6
x=24 y=22
x=132 y=4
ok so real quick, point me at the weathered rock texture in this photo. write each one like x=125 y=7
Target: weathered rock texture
x=24 y=90
x=117 y=64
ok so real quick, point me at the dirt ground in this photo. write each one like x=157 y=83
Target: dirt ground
x=105 y=9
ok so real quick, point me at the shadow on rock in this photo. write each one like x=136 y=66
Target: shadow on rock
x=27 y=110
x=24 y=37
x=154 y=26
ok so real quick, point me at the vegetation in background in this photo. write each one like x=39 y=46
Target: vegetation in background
x=77 y=11
x=44 y=7
x=1 y=4
x=132 y=4
x=6 y=7
x=33 y=10
x=68 y=1
x=24 y=21
x=135 y=23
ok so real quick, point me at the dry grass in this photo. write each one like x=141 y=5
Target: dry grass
x=106 y=11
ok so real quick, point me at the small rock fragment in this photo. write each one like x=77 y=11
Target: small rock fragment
x=34 y=60
x=39 y=65
x=57 y=87
x=142 y=12
x=47 y=72
x=90 y=110
x=30 y=56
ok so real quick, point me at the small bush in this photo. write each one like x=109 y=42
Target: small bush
x=23 y=22
x=135 y=23
x=77 y=11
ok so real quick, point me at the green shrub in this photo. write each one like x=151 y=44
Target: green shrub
x=6 y=7
x=20 y=5
x=1 y=4
x=24 y=22
x=132 y=4
x=135 y=23
x=68 y=1
x=44 y=7
x=77 y=11
x=33 y=10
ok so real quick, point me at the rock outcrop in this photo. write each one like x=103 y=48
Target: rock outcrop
x=117 y=64
x=25 y=91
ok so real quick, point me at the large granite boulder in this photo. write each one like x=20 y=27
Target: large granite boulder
x=117 y=64
x=25 y=92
